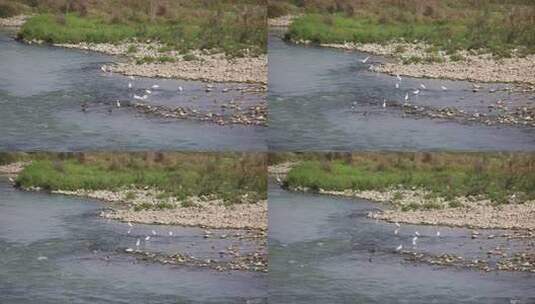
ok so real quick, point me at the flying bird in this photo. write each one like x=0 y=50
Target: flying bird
x=365 y=59
x=416 y=92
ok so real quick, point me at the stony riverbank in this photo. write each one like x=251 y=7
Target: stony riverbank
x=152 y=59
x=282 y=21
x=14 y=21
x=415 y=60
x=151 y=206
x=13 y=168
x=417 y=206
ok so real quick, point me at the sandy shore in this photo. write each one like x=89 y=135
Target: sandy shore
x=197 y=65
x=13 y=168
x=472 y=67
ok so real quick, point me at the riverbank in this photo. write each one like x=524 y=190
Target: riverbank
x=412 y=59
x=154 y=60
x=188 y=189
x=442 y=189
x=14 y=21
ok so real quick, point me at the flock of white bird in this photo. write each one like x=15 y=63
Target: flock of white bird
x=147 y=91
x=398 y=85
x=147 y=238
x=414 y=238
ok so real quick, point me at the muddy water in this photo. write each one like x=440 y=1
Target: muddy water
x=42 y=90
x=55 y=249
x=325 y=250
x=312 y=92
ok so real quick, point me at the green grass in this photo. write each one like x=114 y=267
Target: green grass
x=497 y=29
x=228 y=28
x=446 y=175
x=178 y=174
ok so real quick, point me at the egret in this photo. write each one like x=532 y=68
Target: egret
x=147 y=238
x=416 y=92
x=130 y=224
x=279 y=180
x=399 y=247
x=396 y=231
x=42 y=258
x=148 y=91
x=407 y=97
x=417 y=233
x=438 y=233
x=170 y=233
x=180 y=89
x=138 y=242
x=138 y=97
x=118 y=103
x=398 y=77
x=443 y=88
x=422 y=86
x=384 y=103
x=129 y=230
x=129 y=85
x=414 y=240
x=11 y=180
x=397 y=85
x=155 y=86
x=397 y=224
x=365 y=59
x=131 y=77
x=103 y=68
x=153 y=232
x=129 y=250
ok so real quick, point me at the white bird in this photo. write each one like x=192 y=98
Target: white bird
x=407 y=97
x=417 y=233
x=147 y=238
x=11 y=180
x=396 y=231
x=130 y=224
x=416 y=92
x=138 y=242
x=399 y=247
x=438 y=233
x=170 y=233
x=414 y=240
x=397 y=85
x=443 y=88
x=397 y=224
x=129 y=230
x=118 y=103
x=144 y=97
x=384 y=103
x=180 y=89
x=153 y=232
x=129 y=85
x=103 y=68
x=398 y=77
x=370 y=68
x=42 y=258
x=131 y=77
x=148 y=91
x=138 y=97
x=279 y=180
x=365 y=59
x=155 y=86
x=422 y=86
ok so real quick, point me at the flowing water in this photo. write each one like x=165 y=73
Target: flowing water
x=56 y=249
x=42 y=89
x=312 y=91
x=326 y=250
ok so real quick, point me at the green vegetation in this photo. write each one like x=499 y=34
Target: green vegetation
x=495 y=26
x=448 y=175
x=226 y=175
x=234 y=27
